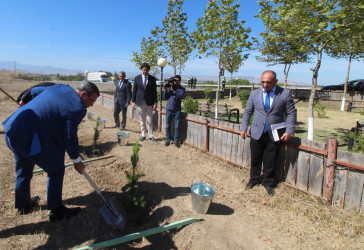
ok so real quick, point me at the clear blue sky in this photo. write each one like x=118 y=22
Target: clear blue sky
x=101 y=35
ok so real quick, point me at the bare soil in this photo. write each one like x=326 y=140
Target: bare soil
x=236 y=219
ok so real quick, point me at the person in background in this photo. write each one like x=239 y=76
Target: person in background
x=40 y=133
x=145 y=98
x=173 y=93
x=121 y=100
x=270 y=104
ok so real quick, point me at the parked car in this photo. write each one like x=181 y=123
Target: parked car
x=356 y=85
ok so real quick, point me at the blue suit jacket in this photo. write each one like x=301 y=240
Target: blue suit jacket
x=123 y=93
x=52 y=116
x=150 y=94
x=281 y=107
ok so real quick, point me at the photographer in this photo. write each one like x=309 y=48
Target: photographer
x=173 y=93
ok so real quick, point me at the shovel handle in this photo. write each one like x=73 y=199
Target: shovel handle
x=8 y=95
x=97 y=189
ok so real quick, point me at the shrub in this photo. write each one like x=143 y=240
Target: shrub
x=244 y=96
x=320 y=109
x=190 y=105
x=235 y=82
x=357 y=141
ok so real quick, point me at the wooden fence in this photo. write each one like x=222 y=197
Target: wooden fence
x=312 y=167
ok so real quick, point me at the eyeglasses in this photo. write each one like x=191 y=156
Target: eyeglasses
x=93 y=101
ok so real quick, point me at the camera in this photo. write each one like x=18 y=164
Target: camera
x=170 y=83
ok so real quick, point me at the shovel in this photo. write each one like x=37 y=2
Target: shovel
x=108 y=210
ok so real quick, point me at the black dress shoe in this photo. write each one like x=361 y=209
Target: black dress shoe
x=142 y=138
x=270 y=190
x=167 y=143
x=250 y=185
x=30 y=207
x=152 y=139
x=177 y=144
x=62 y=212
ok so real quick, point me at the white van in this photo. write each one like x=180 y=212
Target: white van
x=97 y=77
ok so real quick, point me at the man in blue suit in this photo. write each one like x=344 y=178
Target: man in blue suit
x=39 y=133
x=121 y=100
x=270 y=104
x=145 y=98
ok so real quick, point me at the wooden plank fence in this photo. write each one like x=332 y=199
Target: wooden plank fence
x=313 y=167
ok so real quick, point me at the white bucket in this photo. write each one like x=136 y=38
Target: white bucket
x=91 y=116
x=202 y=194
x=102 y=123
x=123 y=138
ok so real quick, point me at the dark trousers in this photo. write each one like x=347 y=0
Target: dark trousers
x=263 y=151
x=177 y=116
x=117 y=109
x=51 y=159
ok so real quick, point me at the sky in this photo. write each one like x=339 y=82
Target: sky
x=102 y=35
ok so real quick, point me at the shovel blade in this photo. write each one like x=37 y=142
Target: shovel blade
x=115 y=220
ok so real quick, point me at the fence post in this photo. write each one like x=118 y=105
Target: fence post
x=330 y=169
x=206 y=135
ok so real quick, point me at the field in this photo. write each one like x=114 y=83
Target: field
x=237 y=219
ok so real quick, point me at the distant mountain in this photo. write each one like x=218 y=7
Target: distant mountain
x=36 y=69
x=27 y=68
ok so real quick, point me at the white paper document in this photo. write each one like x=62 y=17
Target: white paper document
x=277 y=130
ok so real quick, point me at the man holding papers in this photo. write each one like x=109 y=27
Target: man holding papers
x=270 y=105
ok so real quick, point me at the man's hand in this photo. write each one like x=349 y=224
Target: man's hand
x=155 y=107
x=79 y=166
x=20 y=104
x=244 y=134
x=286 y=137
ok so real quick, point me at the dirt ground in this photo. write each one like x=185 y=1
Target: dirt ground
x=236 y=219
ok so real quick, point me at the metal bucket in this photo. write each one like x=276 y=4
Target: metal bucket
x=202 y=194
x=123 y=138
x=91 y=116
x=102 y=123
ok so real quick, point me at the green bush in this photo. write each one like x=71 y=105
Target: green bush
x=320 y=110
x=244 y=96
x=190 y=105
x=358 y=141
x=235 y=82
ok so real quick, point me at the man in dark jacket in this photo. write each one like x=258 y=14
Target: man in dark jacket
x=145 y=98
x=173 y=93
x=121 y=100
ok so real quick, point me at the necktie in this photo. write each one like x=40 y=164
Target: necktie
x=266 y=108
x=145 y=82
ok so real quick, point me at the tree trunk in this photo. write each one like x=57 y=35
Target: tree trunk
x=286 y=74
x=313 y=94
x=346 y=84
x=231 y=79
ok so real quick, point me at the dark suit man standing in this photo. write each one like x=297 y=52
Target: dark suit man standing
x=145 y=98
x=39 y=133
x=271 y=104
x=121 y=100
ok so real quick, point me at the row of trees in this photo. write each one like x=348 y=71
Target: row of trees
x=295 y=31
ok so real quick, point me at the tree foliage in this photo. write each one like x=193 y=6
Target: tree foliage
x=218 y=30
x=149 y=53
x=173 y=36
x=310 y=22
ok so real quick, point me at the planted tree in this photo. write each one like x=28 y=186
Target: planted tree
x=149 y=53
x=134 y=200
x=350 y=39
x=95 y=148
x=173 y=36
x=218 y=29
